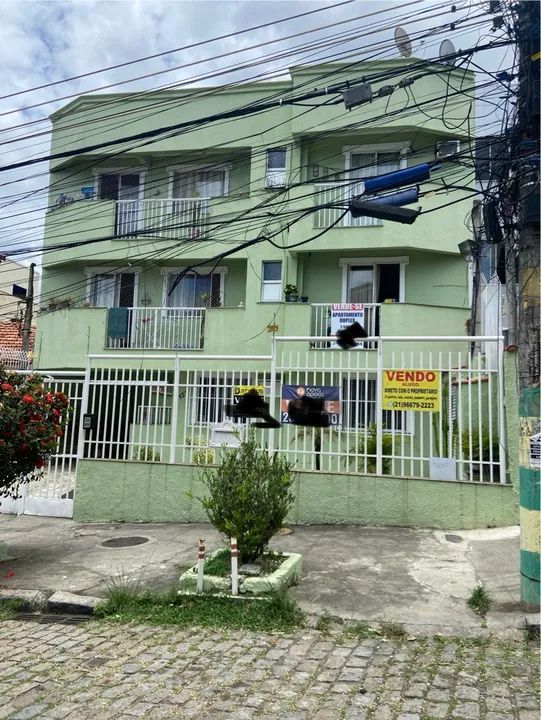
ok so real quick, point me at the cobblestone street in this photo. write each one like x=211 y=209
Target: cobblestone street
x=97 y=670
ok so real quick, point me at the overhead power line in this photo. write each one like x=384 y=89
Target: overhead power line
x=231 y=114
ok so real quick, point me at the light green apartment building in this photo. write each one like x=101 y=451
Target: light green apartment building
x=133 y=271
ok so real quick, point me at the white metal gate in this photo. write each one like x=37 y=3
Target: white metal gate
x=52 y=494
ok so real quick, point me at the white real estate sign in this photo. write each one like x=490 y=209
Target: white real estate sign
x=343 y=314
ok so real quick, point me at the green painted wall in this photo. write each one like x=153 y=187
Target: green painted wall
x=110 y=491
x=436 y=274
x=65 y=337
x=437 y=279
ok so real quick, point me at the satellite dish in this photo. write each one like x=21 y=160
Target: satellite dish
x=403 y=42
x=447 y=48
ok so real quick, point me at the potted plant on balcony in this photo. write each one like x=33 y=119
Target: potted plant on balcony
x=291 y=293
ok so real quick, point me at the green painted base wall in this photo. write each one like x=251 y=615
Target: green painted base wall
x=144 y=492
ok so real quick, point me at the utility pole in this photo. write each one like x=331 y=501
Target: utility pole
x=28 y=311
x=526 y=150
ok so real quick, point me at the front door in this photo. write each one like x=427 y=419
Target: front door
x=375 y=283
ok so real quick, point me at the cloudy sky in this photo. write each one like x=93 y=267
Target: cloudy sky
x=44 y=43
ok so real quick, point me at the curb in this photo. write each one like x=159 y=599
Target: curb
x=48 y=601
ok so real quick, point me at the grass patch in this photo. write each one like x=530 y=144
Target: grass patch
x=531 y=632
x=392 y=630
x=323 y=624
x=359 y=630
x=277 y=613
x=479 y=600
x=10 y=608
x=219 y=564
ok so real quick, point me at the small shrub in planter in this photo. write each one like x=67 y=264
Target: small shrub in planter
x=291 y=293
x=249 y=496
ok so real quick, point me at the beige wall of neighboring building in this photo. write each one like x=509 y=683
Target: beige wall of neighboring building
x=13 y=273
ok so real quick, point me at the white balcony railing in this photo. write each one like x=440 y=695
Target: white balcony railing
x=158 y=328
x=339 y=193
x=321 y=322
x=172 y=218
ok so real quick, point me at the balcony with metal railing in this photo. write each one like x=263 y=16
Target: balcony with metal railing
x=338 y=195
x=155 y=328
x=173 y=217
x=322 y=324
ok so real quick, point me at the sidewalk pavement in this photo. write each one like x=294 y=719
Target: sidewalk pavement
x=418 y=577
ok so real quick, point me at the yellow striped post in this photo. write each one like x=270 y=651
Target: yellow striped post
x=529 y=477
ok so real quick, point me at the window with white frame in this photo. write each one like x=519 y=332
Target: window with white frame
x=211 y=392
x=193 y=290
x=271 y=281
x=276 y=167
x=370 y=161
x=109 y=289
x=200 y=183
x=359 y=406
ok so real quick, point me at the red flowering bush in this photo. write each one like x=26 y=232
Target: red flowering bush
x=31 y=422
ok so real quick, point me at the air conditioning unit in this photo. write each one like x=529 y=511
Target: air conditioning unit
x=447 y=148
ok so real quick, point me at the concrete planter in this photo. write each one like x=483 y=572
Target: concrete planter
x=287 y=574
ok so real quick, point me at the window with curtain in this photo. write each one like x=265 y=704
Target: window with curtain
x=271 y=284
x=194 y=290
x=199 y=183
x=366 y=165
x=359 y=406
x=112 y=290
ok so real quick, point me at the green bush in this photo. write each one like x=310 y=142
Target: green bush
x=471 y=451
x=368 y=446
x=146 y=453
x=249 y=496
x=32 y=421
x=201 y=453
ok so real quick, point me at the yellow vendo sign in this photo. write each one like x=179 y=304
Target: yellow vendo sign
x=411 y=390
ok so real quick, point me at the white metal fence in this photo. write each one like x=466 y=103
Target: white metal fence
x=174 y=217
x=52 y=494
x=321 y=323
x=339 y=194
x=15 y=359
x=155 y=328
x=463 y=440
x=179 y=415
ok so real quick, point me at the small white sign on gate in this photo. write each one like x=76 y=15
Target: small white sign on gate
x=226 y=435
x=442 y=468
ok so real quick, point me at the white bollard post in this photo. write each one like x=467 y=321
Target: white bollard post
x=234 y=568
x=200 y=565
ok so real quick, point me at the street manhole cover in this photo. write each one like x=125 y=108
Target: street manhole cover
x=124 y=541
x=453 y=538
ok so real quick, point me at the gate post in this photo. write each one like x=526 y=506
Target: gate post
x=502 y=431
x=272 y=398
x=379 y=409
x=84 y=409
x=174 y=411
